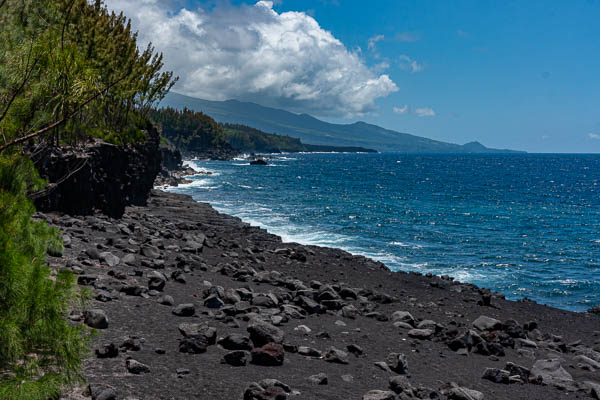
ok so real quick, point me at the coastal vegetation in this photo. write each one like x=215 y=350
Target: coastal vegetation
x=70 y=71
x=194 y=131
x=254 y=140
x=189 y=130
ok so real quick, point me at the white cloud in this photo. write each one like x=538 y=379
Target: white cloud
x=593 y=135
x=407 y=37
x=253 y=53
x=374 y=40
x=408 y=64
x=401 y=110
x=424 y=112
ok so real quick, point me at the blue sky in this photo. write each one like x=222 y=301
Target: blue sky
x=511 y=74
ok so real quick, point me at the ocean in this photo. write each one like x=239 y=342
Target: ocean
x=523 y=225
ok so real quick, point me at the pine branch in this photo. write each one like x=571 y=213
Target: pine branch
x=58 y=123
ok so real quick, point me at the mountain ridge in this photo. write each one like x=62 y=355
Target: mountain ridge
x=314 y=131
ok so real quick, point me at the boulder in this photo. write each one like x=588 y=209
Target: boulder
x=184 y=310
x=398 y=363
x=196 y=330
x=403 y=316
x=96 y=319
x=193 y=345
x=462 y=393
x=337 y=356
x=318 y=379
x=484 y=323
x=262 y=333
x=107 y=351
x=379 y=395
x=136 y=367
x=150 y=252
x=235 y=341
x=109 y=259
x=237 y=358
x=422 y=334
x=496 y=375
x=552 y=373
x=271 y=354
x=400 y=384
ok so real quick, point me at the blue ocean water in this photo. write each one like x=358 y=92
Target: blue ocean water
x=523 y=225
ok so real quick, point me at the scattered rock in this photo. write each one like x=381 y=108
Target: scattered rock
x=109 y=259
x=462 y=393
x=422 y=334
x=96 y=319
x=484 y=323
x=379 y=395
x=193 y=345
x=403 y=316
x=271 y=354
x=496 y=375
x=238 y=358
x=184 y=310
x=398 y=363
x=318 y=379
x=235 y=341
x=552 y=373
x=136 y=367
x=262 y=333
x=107 y=351
x=334 y=355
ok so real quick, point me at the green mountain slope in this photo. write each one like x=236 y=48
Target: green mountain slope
x=314 y=131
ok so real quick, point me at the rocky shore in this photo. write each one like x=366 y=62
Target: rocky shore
x=193 y=304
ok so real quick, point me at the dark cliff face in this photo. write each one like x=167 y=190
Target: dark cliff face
x=109 y=179
x=171 y=157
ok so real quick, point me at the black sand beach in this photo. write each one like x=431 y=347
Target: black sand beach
x=324 y=323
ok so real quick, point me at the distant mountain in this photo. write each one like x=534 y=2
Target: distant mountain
x=314 y=131
x=250 y=139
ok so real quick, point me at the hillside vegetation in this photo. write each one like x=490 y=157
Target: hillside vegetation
x=253 y=140
x=196 y=132
x=316 y=132
x=70 y=70
x=189 y=130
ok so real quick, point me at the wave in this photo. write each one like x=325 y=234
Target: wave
x=207 y=184
x=193 y=164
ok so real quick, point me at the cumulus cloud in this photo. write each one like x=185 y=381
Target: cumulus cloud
x=408 y=64
x=253 y=53
x=424 y=112
x=593 y=135
x=401 y=110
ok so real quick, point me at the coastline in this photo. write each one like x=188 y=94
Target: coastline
x=433 y=228
x=175 y=246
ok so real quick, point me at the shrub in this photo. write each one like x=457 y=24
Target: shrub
x=39 y=350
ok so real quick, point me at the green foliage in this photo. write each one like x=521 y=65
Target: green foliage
x=189 y=130
x=246 y=138
x=56 y=55
x=39 y=350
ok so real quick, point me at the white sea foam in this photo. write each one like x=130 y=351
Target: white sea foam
x=191 y=164
x=206 y=184
x=201 y=170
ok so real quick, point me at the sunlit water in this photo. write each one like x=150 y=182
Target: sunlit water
x=524 y=225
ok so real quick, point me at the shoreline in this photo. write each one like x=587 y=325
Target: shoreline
x=382 y=250
x=328 y=312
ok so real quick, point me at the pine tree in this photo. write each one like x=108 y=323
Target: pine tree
x=39 y=350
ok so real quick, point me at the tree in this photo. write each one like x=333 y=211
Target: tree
x=70 y=70
x=39 y=351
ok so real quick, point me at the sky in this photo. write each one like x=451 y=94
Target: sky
x=511 y=74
